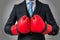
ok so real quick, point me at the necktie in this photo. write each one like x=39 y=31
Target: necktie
x=30 y=9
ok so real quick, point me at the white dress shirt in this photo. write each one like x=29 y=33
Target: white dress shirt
x=34 y=4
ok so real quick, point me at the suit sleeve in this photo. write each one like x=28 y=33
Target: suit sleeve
x=50 y=20
x=11 y=21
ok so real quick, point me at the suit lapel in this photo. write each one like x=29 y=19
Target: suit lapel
x=24 y=8
x=38 y=7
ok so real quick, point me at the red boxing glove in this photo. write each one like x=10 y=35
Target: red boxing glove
x=13 y=30
x=37 y=24
x=23 y=25
x=48 y=30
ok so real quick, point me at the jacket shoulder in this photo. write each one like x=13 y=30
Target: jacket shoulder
x=43 y=4
x=19 y=4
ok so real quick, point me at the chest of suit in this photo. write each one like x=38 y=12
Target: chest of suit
x=21 y=10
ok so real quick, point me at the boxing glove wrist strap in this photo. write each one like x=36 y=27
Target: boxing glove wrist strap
x=48 y=30
x=44 y=28
x=13 y=30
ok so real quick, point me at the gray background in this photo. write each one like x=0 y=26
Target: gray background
x=6 y=7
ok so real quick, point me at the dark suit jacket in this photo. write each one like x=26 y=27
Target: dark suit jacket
x=41 y=9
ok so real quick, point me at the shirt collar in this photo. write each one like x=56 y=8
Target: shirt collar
x=27 y=1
